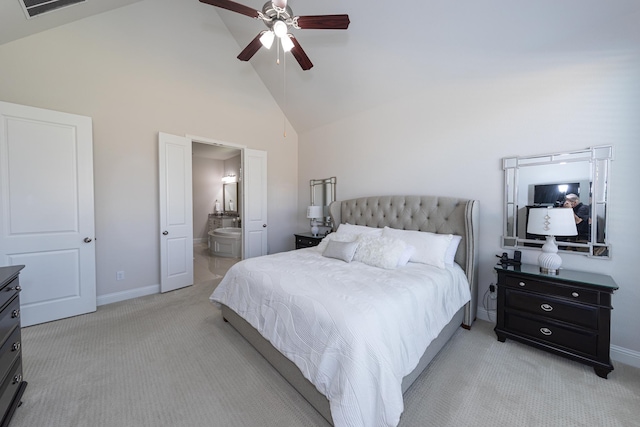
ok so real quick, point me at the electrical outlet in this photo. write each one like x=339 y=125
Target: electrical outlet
x=120 y=275
x=492 y=288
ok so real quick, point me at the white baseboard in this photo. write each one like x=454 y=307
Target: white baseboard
x=618 y=354
x=125 y=295
x=626 y=356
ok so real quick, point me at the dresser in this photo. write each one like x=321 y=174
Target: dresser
x=307 y=240
x=12 y=384
x=568 y=314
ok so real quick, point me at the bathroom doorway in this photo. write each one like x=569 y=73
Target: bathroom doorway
x=217 y=198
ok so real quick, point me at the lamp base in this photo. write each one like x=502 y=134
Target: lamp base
x=314 y=229
x=549 y=260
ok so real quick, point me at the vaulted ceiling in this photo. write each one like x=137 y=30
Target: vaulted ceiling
x=391 y=49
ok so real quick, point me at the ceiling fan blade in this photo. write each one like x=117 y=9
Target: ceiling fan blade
x=300 y=55
x=233 y=6
x=324 y=22
x=251 y=48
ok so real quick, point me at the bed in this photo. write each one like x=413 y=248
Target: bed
x=310 y=279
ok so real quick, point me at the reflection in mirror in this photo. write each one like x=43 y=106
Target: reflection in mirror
x=323 y=193
x=546 y=181
x=230 y=198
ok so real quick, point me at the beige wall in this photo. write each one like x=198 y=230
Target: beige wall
x=207 y=188
x=448 y=138
x=149 y=67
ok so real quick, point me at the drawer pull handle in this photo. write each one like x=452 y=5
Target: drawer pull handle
x=522 y=284
x=546 y=307
x=15 y=313
x=14 y=288
x=17 y=379
x=575 y=294
x=15 y=346
x=545 y=331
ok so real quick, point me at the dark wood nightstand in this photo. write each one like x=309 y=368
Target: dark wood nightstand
x=307 y=240
x=568 y=314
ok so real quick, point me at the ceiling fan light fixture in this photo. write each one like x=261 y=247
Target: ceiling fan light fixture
x=286 y=42
x=280 y=28
x=267 y=39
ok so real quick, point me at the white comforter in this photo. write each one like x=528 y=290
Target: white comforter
x=353 y=330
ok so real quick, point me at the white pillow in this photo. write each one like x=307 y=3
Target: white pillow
x=334 y=236
x=431 y=248
x=406 y=255
x=449 y=257
x=358 y=229
x=379 y=251
x=340 y=250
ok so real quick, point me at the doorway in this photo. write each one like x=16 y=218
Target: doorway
x=215 y=170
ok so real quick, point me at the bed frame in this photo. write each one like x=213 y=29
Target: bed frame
x=443 y=215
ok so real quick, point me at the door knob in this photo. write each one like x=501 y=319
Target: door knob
x=264 y=225
x=164 y=233
x=87 y=239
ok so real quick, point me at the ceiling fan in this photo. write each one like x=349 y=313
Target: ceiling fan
x=278 y=17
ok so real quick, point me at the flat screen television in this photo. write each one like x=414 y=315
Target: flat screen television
x=553 y=194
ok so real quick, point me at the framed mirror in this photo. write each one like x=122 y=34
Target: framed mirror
x=230 y=198
x=545 y=181
x=323 y=192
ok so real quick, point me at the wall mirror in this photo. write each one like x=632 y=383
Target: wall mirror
x=323 y=193
x=545 y=180
x=230 y=198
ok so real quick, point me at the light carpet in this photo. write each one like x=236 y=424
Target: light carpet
x=170 y=360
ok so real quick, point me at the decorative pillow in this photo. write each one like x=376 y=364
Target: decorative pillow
x=431 y=248
x=357 y=229
x=406 y=255
x=379 y=251
x=334 y=236
x=340 y=250
x=449 y=257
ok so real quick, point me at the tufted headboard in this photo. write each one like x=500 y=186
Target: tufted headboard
x=442 y=215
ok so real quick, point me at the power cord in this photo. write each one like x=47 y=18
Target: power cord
x=489 y=295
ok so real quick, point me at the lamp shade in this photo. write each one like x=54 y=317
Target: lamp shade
x=314 y=212
x=551 y=222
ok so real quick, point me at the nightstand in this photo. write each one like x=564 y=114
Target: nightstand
x=307 y=240
x=567 y=314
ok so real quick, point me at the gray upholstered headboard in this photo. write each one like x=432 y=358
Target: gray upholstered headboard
x=443 y=215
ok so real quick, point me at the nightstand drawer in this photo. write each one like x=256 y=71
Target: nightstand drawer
x=550 y=288
x=580 y=341
x=577 y=314
x=307 y=241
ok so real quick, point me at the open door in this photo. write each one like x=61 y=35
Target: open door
x=176 y=212
x=255 y=203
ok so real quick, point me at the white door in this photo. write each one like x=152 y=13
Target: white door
x=176 y=212
x=255 y=203
x=46 y=201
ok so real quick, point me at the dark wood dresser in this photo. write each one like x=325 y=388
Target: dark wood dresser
x=568 y=314
x=12 y=384
x=307 y=240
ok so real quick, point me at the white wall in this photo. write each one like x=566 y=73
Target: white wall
x=449 y=136
x=157 y=65
x=207 y=188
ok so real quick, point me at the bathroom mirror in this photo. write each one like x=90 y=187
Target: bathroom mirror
x=544 y=181
x=230 y=198
x=323 y=192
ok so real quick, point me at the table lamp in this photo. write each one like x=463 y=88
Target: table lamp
x=314 y=212
x=551 y=222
